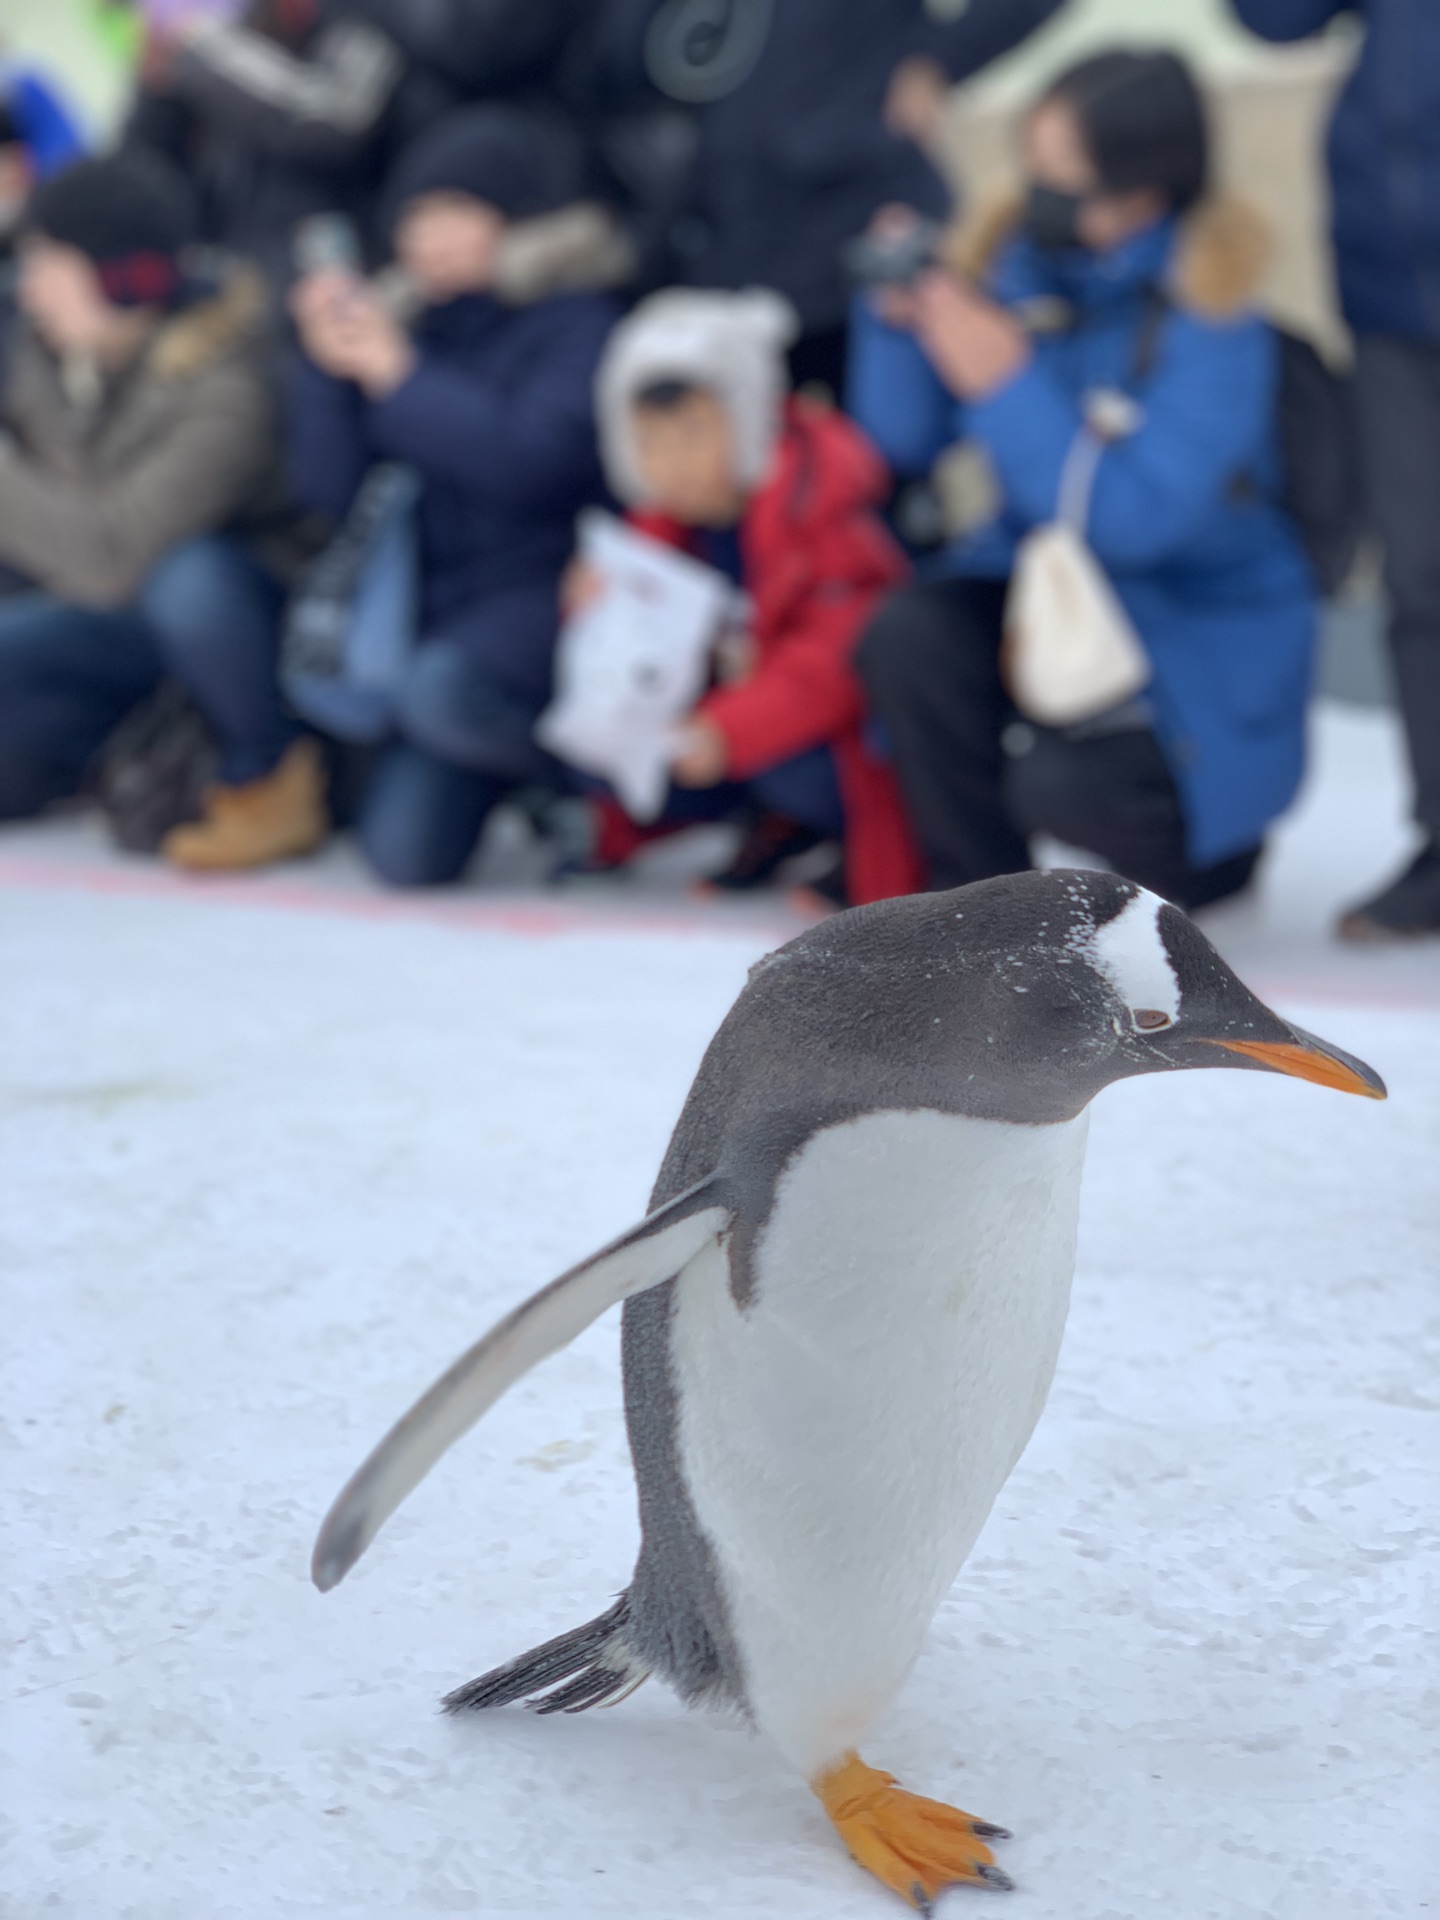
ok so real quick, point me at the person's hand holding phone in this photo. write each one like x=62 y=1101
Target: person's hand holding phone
x=896 y=246
x=972 y=342
x=349 y=333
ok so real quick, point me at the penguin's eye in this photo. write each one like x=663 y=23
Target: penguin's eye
x=1148 y=1019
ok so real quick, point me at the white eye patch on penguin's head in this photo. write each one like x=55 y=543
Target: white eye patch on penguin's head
x=1119 y=982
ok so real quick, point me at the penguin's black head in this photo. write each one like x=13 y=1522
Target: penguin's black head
x=1026 y=995
x=1172 y=1002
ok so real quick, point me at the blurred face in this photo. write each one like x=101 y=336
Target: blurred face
x=685 y=457
x=60 y=293
x=448 y=244
x=1056 y=157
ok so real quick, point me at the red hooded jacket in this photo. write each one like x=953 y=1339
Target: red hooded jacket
x=816 y=560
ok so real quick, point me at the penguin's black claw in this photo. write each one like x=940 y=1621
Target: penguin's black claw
x=921 y=1901
x=986 y=1830
x=995 y=1877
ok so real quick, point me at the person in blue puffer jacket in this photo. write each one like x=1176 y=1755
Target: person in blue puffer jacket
x=1116 y=273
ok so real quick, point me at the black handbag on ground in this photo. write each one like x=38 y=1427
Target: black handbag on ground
x=154 y=769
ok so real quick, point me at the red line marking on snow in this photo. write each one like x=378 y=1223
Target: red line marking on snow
x=538 y=919
x=520 y=917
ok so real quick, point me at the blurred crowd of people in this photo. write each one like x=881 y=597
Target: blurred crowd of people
x=305 y=381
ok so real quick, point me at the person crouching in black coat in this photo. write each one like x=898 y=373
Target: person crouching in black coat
x=489 y=401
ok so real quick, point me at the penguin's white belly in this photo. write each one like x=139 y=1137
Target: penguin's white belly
x=845 y=1433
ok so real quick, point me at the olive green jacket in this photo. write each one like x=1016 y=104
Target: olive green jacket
x=100 y=478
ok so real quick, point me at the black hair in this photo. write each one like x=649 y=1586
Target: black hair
x=663 y=396
x=1143 y=119
x=129 y=202
x=10 y=134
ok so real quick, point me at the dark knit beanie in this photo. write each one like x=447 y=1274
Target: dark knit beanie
x=522 y=161
x=131 y=213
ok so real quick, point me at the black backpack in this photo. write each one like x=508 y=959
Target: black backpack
x=154 y=769
x=1319 y=454
x=1319 y=459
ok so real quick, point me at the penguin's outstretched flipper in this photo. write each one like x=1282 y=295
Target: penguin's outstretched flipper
x=650 y=1253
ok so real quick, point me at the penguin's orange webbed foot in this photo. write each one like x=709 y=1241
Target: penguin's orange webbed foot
x=916 y=1846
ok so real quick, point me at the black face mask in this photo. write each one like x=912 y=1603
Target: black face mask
x=1052 y=218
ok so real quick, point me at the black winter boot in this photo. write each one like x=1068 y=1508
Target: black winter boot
x=1407 y=909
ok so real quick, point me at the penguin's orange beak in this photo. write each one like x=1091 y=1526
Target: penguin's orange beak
x=1306 y=1058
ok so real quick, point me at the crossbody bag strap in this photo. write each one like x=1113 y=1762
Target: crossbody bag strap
x=1077 y=480
x=1108 y=419
x=1145 y=348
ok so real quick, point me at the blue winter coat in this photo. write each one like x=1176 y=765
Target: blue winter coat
x=1384 y=158
x=1182 y=513
x=498 y=420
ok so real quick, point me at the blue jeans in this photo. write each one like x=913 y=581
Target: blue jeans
x=68 y=676
x=214 y=612
x=208 y=613
x=423 y=815
x=465 y=715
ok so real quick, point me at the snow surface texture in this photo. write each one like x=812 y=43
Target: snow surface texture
x=264 y=1172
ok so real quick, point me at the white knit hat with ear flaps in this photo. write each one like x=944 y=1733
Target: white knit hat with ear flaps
x=732 y=343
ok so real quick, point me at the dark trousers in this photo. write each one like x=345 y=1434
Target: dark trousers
x=208 y=614
x=1397 y=393
x=805 y=790
x=465 y=718
x=978 y=781
x=819 y=359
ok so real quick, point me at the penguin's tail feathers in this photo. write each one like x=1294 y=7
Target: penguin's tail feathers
x=591 y=1666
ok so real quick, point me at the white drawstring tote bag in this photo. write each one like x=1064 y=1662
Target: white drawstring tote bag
x=1070 y=651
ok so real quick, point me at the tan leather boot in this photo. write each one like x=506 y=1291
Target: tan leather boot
x=274 y=818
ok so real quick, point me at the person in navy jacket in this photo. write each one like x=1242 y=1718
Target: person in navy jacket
x=1117 y=272
x=808 y=116
x=491 y=404
x=1385 y=180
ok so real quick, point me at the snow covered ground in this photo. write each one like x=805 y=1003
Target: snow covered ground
x=272 y=1152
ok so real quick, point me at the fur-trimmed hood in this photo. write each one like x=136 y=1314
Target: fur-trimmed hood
x=1222 y=249
x=580 y=248
x=235 y=315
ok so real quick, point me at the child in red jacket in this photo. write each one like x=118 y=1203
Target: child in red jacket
x=700 y=440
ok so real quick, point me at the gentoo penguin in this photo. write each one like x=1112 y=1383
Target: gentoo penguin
x=844 y=1309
